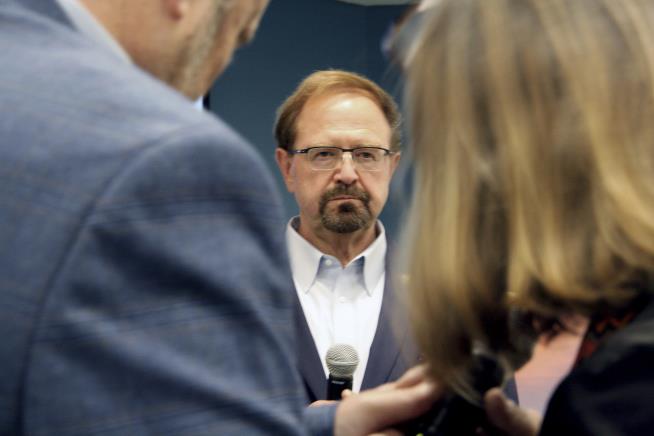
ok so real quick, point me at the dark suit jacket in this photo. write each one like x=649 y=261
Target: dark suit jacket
x=142 y=290
x=612 y=391
x=391 y=353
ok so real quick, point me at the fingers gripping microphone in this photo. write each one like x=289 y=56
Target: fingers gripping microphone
x=342 y=361
x=454 y=415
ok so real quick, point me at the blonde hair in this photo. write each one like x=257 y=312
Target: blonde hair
x=333 y=81
x=533 y=133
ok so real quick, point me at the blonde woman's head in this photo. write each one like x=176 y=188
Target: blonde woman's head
x=533 y=134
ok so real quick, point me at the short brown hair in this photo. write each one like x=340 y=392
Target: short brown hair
x=330 y=81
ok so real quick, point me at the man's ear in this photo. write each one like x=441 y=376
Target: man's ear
x=284 y=162
x=177 y=9
x=395 y=160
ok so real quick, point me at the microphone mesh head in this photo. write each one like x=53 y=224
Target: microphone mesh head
x=342 y=360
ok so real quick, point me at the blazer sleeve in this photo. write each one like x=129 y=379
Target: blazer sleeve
x=172 y=311
x=319 y=420
x=610 y=394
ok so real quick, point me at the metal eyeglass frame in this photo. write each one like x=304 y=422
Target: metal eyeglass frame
x=342 y=150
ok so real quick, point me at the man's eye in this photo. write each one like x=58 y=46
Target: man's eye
x=324 y=154
x=366 y=155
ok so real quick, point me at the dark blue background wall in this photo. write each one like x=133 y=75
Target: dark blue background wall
x=297 y=37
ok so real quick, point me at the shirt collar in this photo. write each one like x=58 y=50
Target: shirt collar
x=89 y=26
x=305 y=258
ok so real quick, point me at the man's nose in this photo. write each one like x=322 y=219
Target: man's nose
x=346 y=172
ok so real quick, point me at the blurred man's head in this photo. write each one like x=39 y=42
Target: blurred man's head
x=338 y=146
x=185 y=43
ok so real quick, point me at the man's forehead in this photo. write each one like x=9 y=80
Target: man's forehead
x=342 y=113
x=340 y=92
x=333 y=103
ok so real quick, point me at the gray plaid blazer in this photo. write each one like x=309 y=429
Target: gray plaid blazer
x=144 y=288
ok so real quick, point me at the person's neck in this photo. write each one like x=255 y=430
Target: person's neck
x=343 y=246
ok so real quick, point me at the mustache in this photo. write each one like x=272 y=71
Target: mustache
x=349 y=191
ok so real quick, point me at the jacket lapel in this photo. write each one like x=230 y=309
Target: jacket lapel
x=392 y=351
x=387 y=360
x=309 y=362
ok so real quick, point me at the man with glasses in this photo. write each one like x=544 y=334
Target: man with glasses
x=338 y=138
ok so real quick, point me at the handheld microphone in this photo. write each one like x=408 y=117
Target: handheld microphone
x=342 y=361
x=454 y=415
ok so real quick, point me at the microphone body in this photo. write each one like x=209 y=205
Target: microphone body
x=456 y=416
x=336 y=385
x=342 y=361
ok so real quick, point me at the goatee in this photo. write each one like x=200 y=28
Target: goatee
x=348 y=216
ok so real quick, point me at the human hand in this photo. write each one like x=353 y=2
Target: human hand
x=509 y=418
x=375 y=411
x=320 y=403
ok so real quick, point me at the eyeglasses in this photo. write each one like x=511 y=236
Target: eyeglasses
x=327 y=158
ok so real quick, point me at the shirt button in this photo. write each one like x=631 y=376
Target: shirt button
x=328 y=262
x=341 y=299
